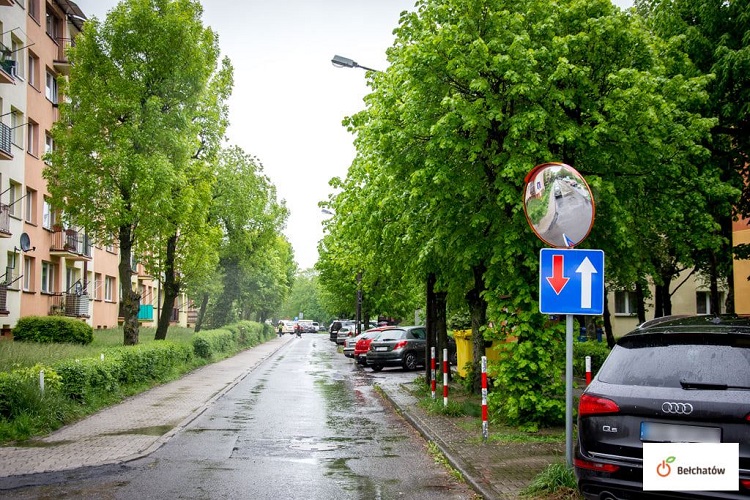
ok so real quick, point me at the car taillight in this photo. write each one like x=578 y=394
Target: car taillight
x=400 y=344
x=593 y=405
x=585 y=464
x=745 y=483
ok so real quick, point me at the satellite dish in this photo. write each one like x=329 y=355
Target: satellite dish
x=25 y=242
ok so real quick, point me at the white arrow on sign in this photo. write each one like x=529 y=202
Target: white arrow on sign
x=586 y=269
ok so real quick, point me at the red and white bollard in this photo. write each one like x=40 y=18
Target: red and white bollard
x=445 y=377
x=433 y=382
x=485 y=428
x=588 y=370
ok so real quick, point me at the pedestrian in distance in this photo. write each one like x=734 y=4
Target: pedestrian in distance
x=281 y=328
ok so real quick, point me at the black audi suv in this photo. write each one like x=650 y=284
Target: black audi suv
x=680 y=379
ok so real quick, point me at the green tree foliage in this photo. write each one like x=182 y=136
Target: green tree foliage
x=716 y=38
x=137 y=106
x=305 y=298
x=477 y=93
x=254 y=260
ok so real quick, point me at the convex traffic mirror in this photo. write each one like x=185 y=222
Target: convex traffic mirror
x=558 y=204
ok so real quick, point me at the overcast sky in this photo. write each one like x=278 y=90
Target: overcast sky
x=288 y=99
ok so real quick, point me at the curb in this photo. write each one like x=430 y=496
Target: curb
x=485 y=490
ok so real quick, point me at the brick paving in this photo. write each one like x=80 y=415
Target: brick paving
x=141 y=424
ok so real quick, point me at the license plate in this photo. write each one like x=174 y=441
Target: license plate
x=676 y=433
x=381 y=348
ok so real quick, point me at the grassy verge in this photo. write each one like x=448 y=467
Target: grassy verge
x=80 y=380
x=557 y=482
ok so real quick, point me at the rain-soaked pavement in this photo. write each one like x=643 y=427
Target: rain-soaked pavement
x=306 y=424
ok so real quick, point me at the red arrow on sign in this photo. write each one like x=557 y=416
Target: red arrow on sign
x=557 y=280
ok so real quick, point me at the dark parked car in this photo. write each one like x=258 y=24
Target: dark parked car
x=336 y=325
x=679 y=379
x=398 y=346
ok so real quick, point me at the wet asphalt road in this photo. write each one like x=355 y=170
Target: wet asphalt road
x=306 y=424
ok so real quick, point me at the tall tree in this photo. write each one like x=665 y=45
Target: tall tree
x=251 y=218
x=476 y=94
x=128 y=127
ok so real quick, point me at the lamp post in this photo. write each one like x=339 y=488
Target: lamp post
x=345 y=62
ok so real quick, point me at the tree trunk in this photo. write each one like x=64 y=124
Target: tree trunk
x=201 y=313
x=430 y=326
x=131 y=299
x=171 y=289
x=714 y=285
x=608 y=323
x=441 y=327
x=641 y=303
x=478 y=311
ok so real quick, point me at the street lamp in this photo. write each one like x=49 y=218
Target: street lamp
x=345 y=62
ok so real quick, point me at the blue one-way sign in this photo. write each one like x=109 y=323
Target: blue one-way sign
x=571 y=281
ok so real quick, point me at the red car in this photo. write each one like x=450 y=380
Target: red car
x=363 y=344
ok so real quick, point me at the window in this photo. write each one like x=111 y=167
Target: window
x=48 y=215
x=109 y=287
x=14 y=193
x=34 y=10
x=48 y=277
x=703 y=302
x=50 y=87
x=49 y=146
x=97 y=286
x=16 y=119
x=30 y=205
x=53 y=24
x=33 y=70
x=33 y=138
x=10 y=273
x=16 y=46
x=28 y=266
x=626 y=303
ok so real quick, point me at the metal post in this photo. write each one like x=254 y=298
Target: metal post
x=445 y=377
x=569 y=389
x=433 y=382
x=485 y=428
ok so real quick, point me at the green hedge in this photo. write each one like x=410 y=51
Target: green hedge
x=218 y=343
x=53 y=329
x=598 y=352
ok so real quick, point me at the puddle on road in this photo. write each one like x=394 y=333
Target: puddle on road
x=350 y=481
x=156 y=430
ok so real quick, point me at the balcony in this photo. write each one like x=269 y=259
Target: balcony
x=61 y=62
x=70 y=244
x=146 y=312
x=72 y=305
x=8 y=71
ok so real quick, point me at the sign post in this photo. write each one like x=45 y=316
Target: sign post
x=570 y=282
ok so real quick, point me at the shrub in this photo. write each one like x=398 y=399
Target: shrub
x=57 y=329
x=598 y=352
x=20 y=390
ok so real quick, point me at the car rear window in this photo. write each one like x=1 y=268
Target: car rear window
x=685 y=363
x=392 y=335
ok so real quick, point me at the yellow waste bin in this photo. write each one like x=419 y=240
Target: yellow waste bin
x=465 y=350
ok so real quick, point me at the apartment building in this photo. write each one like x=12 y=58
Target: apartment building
x=49 y=268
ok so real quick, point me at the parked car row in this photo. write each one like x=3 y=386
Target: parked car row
x=383 y=346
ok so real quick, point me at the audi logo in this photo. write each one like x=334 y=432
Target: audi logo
x=677 y=408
